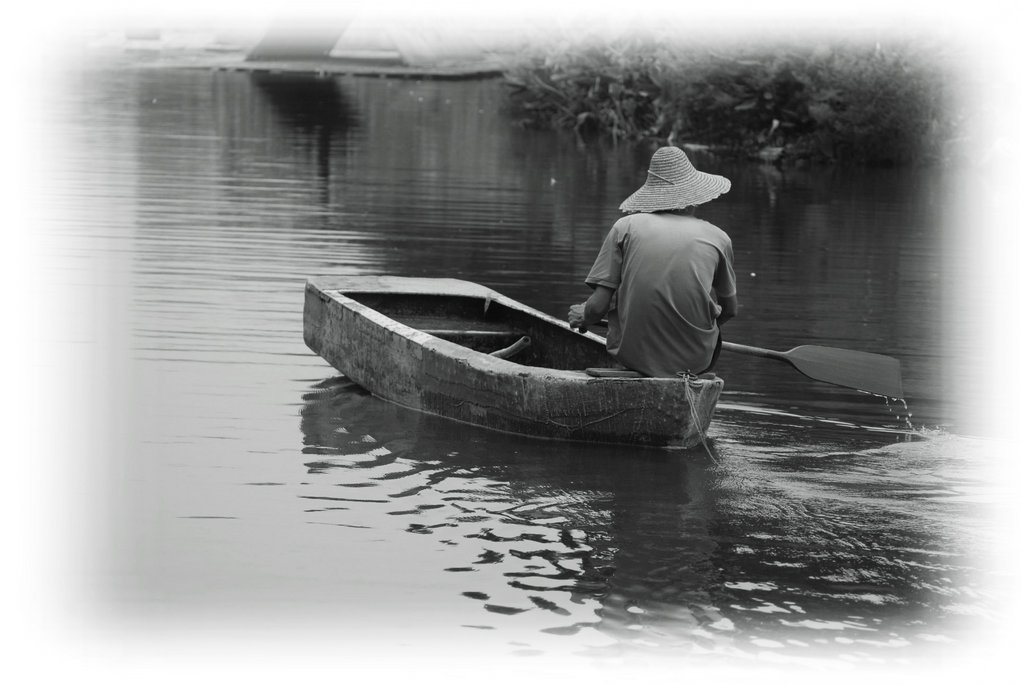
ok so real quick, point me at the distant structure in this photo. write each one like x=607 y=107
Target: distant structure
x=306 y=40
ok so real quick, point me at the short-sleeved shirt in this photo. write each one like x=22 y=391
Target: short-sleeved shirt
x=668 y=271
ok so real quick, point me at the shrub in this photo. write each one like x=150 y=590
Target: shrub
x=870 y=104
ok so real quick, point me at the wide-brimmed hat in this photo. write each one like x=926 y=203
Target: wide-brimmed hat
x=673 y=183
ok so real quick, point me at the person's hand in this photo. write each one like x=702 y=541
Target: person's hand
x=576 y=316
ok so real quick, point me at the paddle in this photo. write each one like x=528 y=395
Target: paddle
x=873 y=373
x=865 y=371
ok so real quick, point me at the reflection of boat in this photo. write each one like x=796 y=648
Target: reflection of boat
x=439 y=346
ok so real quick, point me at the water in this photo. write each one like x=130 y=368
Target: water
x=237 y=479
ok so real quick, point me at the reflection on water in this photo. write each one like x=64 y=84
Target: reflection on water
x=853 y=553
x=196 y=204
x=316 y=107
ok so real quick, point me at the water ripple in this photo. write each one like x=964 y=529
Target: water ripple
x=188 y=208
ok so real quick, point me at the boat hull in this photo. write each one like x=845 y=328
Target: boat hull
x=369 y=329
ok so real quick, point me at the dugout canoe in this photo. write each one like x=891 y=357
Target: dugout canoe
x=465 y=352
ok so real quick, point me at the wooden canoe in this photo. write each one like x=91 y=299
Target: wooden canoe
x=427 y=344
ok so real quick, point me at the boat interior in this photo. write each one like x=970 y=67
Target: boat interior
x=492 y=328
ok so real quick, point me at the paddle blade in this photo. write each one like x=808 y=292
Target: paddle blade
x=873 y=373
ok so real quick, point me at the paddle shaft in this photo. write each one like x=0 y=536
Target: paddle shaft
x=731 y=347
x=865 y=371
x=754 y=351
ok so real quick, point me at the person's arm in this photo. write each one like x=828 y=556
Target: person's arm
x=593 y=310
x=725 y=282
x=604 y=277
x=729 y=306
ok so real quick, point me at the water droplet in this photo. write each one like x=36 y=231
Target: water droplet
x=889 y=404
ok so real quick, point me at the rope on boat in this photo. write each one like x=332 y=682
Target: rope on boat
x=691 y=397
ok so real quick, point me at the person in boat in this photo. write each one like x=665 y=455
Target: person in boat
x=663 y=277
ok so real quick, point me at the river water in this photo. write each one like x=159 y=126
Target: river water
x=237 y=480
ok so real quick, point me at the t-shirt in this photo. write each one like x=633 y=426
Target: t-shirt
x=668 y=271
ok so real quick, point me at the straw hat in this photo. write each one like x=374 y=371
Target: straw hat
x=673 y=183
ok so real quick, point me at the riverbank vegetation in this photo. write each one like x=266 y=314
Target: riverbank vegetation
x=871 y=103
